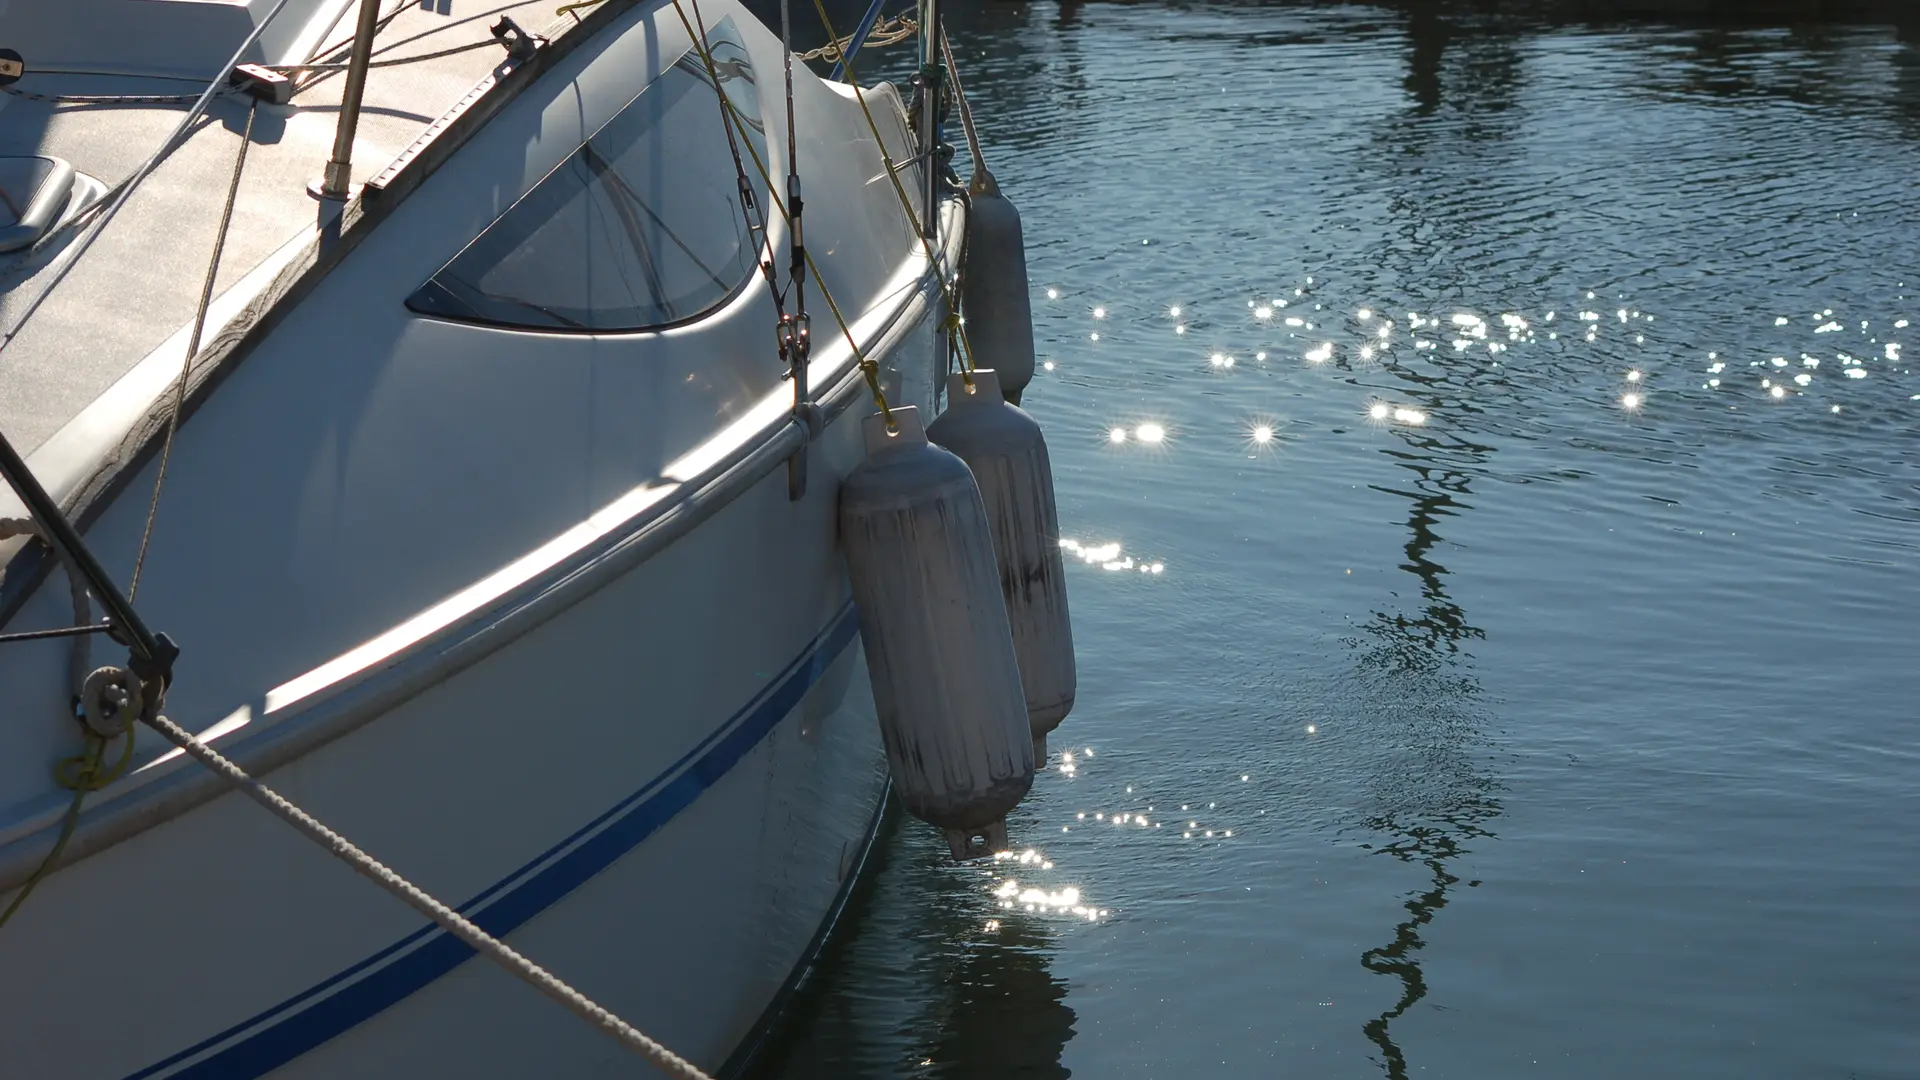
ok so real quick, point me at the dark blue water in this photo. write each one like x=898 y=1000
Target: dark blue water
x=1497 y=604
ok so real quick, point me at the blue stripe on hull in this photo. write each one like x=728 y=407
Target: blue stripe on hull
x=300 y=1023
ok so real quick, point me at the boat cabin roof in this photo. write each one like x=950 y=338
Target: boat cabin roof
x=136 y=289
x=186 y=39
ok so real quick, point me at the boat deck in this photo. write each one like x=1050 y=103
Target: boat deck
x=139 y=282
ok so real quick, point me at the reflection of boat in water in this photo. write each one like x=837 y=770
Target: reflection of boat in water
x=1443 y=803
x=492 y=530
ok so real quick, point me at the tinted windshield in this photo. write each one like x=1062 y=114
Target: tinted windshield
x=639 y=228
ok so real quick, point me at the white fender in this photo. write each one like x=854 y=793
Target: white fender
x=939 y=651
x=1007 y=453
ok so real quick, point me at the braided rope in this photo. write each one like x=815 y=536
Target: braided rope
x=982 y=182
x=87 y=772
x=891 y=31
x=448 y=919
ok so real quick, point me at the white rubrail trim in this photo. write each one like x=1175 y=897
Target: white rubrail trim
x=616 y=516
x=472 y=598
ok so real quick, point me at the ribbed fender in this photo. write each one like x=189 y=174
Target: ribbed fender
x=946 y=683
x=994 y=294
x=1007 y=452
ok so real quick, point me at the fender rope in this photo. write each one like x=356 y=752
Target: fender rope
x=864 y=362
x=982 y=182
x=953 y=323
x=80 y=774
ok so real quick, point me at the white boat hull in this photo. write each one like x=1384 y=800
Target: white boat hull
x=662 y=811
x=525 y=612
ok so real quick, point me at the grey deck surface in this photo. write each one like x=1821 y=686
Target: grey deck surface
x=141 y=279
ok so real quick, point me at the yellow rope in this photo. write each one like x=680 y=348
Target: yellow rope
x=867 y=367
x=80 y=774
x=953 y=324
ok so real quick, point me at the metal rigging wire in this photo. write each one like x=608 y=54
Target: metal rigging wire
x=193 y=348
x=733 y=116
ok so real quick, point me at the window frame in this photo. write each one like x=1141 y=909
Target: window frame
x=721 y=33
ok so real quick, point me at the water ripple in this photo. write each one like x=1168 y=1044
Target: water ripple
x=1585 y=594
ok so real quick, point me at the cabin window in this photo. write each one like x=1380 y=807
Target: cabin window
x=640 y=228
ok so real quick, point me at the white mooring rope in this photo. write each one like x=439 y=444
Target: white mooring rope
x=448 y=919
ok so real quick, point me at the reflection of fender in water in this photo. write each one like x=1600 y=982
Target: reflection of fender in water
x=1010 y=1017
x=935 y=979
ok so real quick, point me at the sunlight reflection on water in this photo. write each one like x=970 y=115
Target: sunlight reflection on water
x=1532 y=434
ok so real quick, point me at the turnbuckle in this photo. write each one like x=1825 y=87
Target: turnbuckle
x=795 y=334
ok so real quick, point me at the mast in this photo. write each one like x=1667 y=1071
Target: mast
x=931 y=71
x=932 y=74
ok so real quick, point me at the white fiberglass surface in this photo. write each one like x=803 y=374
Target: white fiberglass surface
x=471 y=598
x=834 y=362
